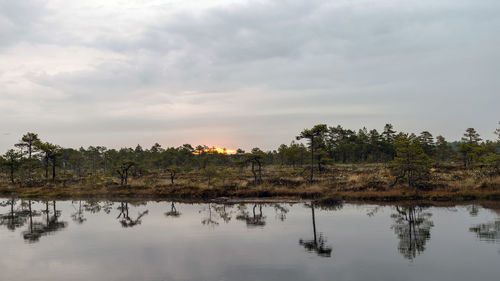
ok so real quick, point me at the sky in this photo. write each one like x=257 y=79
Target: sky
x=244 y=74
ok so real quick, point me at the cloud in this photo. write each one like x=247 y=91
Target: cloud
x=254 y=72
x=19 y=20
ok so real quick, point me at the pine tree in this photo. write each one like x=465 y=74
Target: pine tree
x=12 y=160
x=443 y=150
x=469 y=147
x=316 y=134
x=411 y=163
x=427 y=142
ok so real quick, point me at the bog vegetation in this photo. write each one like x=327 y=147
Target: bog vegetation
x=323 y=161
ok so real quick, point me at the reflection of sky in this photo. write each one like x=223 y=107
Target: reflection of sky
x=166 y=248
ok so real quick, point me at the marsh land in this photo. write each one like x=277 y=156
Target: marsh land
x=323 y=163
x=341 y=182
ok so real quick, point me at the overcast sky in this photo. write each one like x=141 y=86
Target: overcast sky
x=244 y=73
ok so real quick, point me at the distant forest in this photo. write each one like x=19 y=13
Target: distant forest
x=33 y=160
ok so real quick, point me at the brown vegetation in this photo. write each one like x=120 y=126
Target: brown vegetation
x=337 y=182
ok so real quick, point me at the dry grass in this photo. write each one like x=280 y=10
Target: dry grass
x=339 y=182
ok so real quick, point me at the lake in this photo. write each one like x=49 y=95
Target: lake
x=133 y=240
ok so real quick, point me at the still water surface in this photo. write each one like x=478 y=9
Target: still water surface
x=103 y=240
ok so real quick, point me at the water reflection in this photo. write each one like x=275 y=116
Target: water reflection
x=95 y=207
x=50 y=225
x=255 y=219
x=78 y=215
x=255 y=241
x=223 y=213
x=473 y=210
x=413 y=226
x=209 y=219
x=124 y=218
x=33 y=232
x=281 y=211
x=251 y=214
x=318 y=243
x=488 y=231
x=173 y=211
x=14 y=218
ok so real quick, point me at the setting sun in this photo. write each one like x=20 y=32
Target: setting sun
x=218 y=150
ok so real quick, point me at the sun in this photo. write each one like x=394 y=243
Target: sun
x=225 y=150
x=218 y=150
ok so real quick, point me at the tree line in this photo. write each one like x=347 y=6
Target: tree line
x=409 y=156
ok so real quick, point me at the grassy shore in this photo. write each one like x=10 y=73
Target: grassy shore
x=371 y=182
x=316 y=193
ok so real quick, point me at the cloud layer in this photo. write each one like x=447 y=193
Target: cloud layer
x=244 y=73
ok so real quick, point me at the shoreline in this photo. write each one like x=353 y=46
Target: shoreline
x=270 y=194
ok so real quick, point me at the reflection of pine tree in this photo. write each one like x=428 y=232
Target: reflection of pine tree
x=15 y=218
x=52 y=223
x=173 y=211
x=473 y=210
x=78 y=215
x=49 y=226
x=92 y=207
x=281 y=211
x=95 y=207
x=33 y=233
x=317 y=244
x=256 y=219
x=224 y=214
x=412 y=226
x=125 y=219
x=489 y=232
x=210 y=220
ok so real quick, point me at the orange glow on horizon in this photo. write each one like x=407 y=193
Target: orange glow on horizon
x=218 y=150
